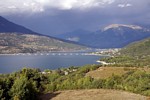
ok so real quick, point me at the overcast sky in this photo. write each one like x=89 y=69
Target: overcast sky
x=60 y=16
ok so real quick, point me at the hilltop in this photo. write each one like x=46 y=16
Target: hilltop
x=92 y=94
x=112 y=26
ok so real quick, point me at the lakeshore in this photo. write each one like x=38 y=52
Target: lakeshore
x=14 y=62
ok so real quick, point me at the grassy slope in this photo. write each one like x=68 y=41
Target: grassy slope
x=92 y=94
x=106 y=72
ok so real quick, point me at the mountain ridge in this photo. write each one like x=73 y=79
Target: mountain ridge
x=8 y=26
x=13 y=28
x=18 y=39
x=111 y=36
x=122 y=25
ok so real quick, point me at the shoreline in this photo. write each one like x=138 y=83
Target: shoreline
x=98 y=54
x=103 y=62
x=54 y=53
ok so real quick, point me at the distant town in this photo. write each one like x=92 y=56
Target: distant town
x=107 y=52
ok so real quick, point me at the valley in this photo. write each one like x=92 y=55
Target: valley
x=124 y=74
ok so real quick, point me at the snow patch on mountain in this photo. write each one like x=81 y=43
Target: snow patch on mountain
x=112 y=26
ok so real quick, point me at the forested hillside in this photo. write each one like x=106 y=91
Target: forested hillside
x=135 y=54
x=137 y=49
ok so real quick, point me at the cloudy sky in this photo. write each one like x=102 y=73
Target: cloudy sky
x=60 y=16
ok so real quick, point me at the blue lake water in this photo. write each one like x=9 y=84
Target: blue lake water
x=12 y=63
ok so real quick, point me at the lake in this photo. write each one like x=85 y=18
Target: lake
x=12 y=63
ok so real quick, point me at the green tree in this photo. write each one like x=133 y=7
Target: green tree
x=22 y=89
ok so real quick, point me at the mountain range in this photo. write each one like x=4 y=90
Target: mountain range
x=18 y=39
x=111 y=36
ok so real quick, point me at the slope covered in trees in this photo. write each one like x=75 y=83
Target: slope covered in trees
x=136 y=54
x=137 y=49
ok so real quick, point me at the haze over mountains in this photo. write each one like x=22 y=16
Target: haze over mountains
x=111 y=36
x=18 y=39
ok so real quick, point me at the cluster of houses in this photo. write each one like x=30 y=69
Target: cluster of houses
x=62 y=71
x=106 y=52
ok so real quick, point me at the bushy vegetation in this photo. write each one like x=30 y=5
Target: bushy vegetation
x=133 y=81
x=22 y=85
x=27 y=84
x=127 y=61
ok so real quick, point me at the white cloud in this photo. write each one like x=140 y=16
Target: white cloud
x=7 y=6
x=128 y=5
x=75 y=39
x=12 y=7
x=124 y=5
